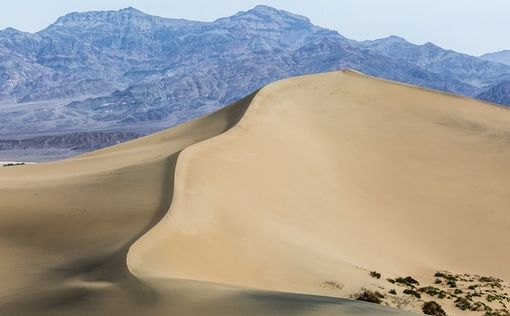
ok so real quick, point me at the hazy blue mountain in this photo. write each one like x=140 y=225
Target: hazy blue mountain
x=73 y=141
x=502 y=57
x=475 y=71
x=129 y=71
x=230 y=57
x=51 y=147
x=500 y=94
x=326 y=54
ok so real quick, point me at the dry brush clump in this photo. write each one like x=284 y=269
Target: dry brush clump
x=412 y=292
x=486 y=295
x=433 y=291
x=478 y=293
x=370 y=296
x=333 y=285
x=497 y=312
x=407 y=281
x=13 y=164
x=433 y=308
x=468 y=292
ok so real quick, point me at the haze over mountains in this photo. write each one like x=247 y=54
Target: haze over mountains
x=127 y=71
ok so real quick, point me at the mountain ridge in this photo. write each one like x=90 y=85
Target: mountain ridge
x=502 y=57
x=142 y=72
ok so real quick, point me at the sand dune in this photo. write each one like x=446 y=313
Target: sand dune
x=304 y=187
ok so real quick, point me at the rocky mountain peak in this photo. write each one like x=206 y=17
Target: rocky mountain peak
x=393 y=39
x=113 y=21
x=120 y=17
x=267 y=11
x=267 y=16
x=10 y=31
x=131 y=11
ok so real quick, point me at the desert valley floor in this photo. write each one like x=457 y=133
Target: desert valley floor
x=280 y=204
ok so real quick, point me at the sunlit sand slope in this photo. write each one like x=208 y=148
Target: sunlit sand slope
x=330 y=176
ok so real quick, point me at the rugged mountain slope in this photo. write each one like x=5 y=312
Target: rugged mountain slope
x=475 y=71
x=94 y=52
x=99 y=51
x=499 y=94
x=502 y=57
x=81 y=141
x=53 y=147
x=326 y=54
x=256 y=47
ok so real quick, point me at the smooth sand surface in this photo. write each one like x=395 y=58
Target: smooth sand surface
x=322 y=179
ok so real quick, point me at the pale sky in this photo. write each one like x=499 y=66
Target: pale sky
x=469 y=26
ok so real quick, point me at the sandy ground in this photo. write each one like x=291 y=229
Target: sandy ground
x=323 y=179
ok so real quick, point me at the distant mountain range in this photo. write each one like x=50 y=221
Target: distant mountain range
x=127 y=71
x=502 y=57
x=498 y=94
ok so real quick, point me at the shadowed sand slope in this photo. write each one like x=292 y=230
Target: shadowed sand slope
x=313 y=181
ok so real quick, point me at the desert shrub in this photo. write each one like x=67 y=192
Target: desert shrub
x=463 y=303
x=433 y=308
x=489 y=279
x=407 y=281
x=391 y=281
x=392 y=291
x=438 y=281
x=13 y=164
x=457 y=291
x=369 y=296
x=479 y=307
x=375 y=274
x=495 y=297
x=332 y=285
x=433 y=291
x=446 y=276
x=497 y=312
x=412 y=292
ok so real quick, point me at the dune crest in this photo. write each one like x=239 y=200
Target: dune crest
x=304 y=187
